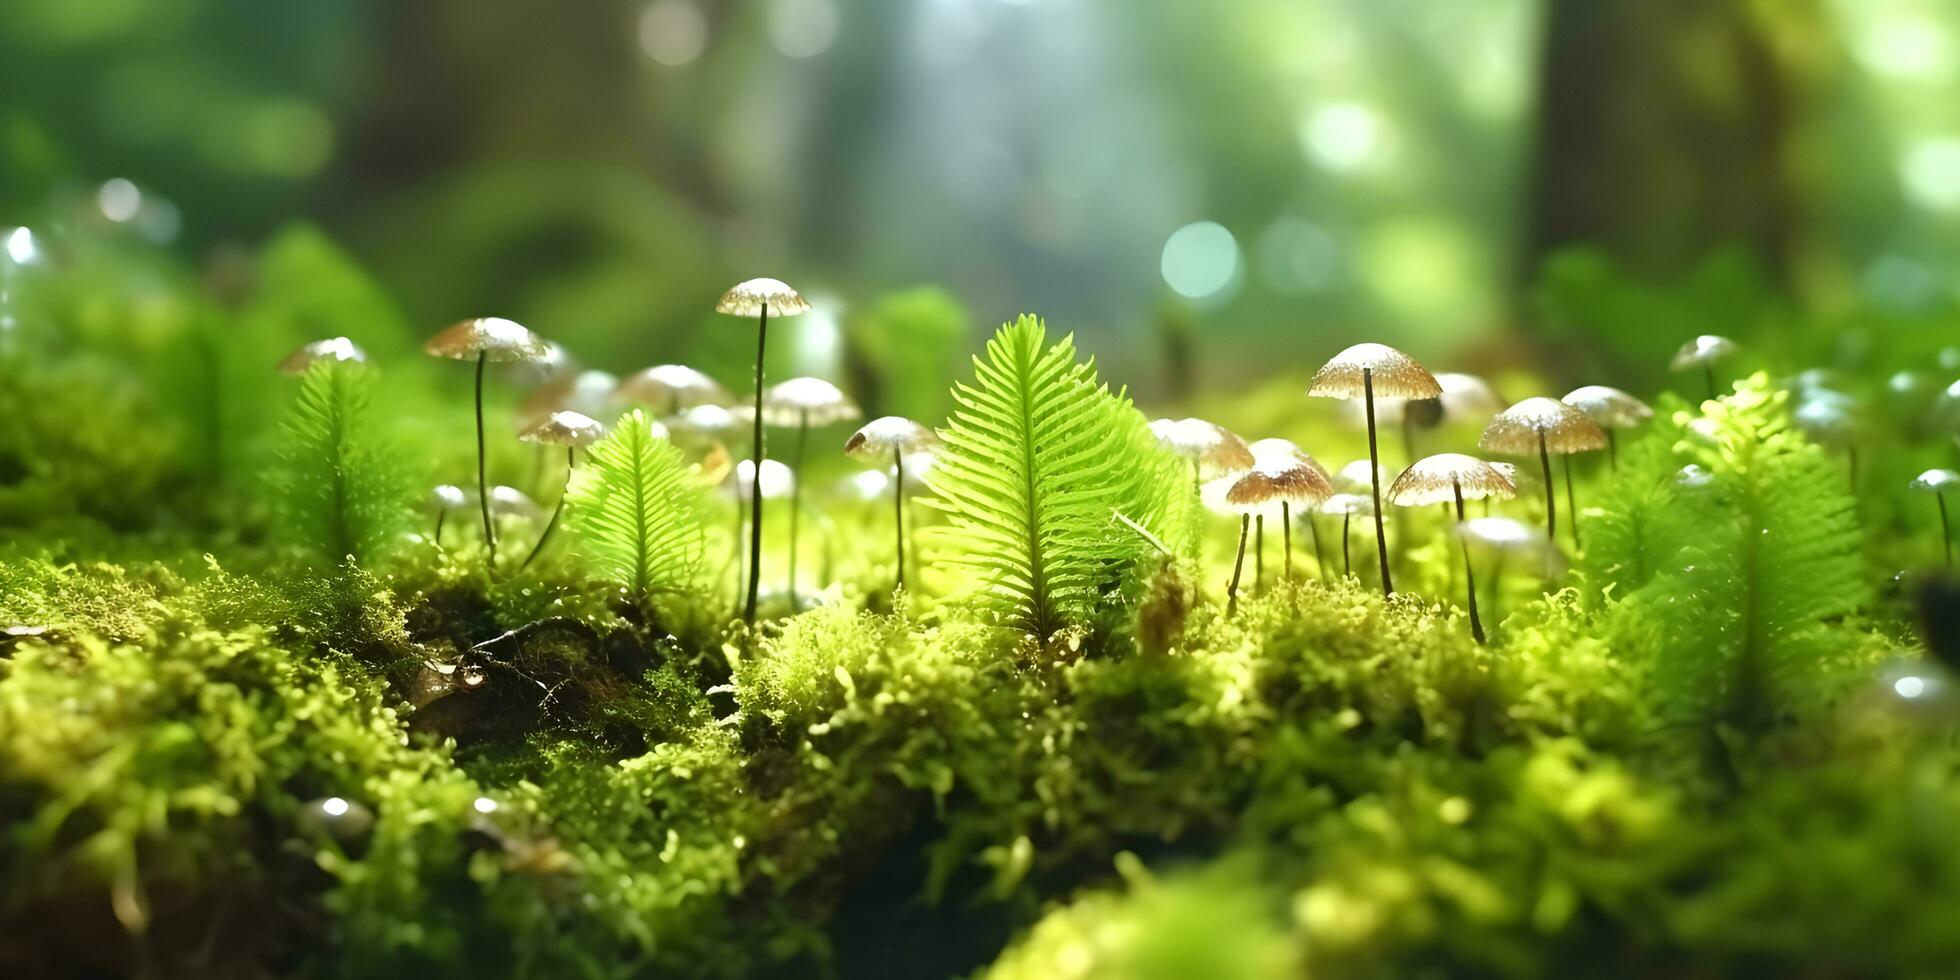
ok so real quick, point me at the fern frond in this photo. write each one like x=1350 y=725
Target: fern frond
x=635 y=511
x=1039 y=458
x=340 y=489
x=1729 y=583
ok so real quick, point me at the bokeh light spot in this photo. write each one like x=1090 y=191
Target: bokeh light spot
x=1200 y=259
x=673 y=32
x=803 y=28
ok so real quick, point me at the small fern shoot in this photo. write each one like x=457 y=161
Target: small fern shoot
x=1734 y=552
x=1039 y=461
x=341 y=489
x=636 y=512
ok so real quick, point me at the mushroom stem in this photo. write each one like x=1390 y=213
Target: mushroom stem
x=1551 y=497
x=482 y=476
x=1313 y=531
x=796 y=496
x=571 y=460
x=1612 y=451
x=441 y=513
x=1946 y=532
x=755 y=479
x=1375 y=479
x=898 y=513
x=1238 y=566
x=1286 y=537
x=1259 y=553
x=1347 y=563
x=1708 y=372
x=1571 y=503
x=1469 y=576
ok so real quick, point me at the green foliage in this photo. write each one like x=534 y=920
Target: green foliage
x=636 y=511
x=1732 y=552
x=343 y=488
x=910 y=342
x=1038 y=460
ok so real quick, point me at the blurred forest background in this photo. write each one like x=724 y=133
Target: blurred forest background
x=1259 y=182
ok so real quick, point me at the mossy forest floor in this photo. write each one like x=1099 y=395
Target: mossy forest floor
x=1709 y=745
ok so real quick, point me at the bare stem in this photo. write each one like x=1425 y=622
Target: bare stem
x=756 y=455
x=1375 y=480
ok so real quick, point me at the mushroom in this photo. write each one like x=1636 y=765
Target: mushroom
x=757 y=298
x=1830 y=418
x=1703 y=352
x=571 y=430
x=585 y=392
x=896 y=438
x=1364 y=371
x=336 y=350
x=446 y=496
x=1451 y=478
x=1505 y=537
x=1281 y=453
x=1610 y=409
x=483 y=340
x=1545 y=426
x=1284 y=479
x=1937 y=482
x=669 y=388
x=804 y=402
x=1212 y=449
x=1347 y=505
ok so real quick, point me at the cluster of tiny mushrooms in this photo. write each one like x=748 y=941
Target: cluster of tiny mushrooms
x=1247 y=480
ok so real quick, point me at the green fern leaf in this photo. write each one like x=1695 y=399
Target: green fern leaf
x=635 y=511
x=340 y=489
x=1730 y=582
x=1038 y=460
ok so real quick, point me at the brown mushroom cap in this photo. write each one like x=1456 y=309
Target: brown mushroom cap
x=565 y=429
x=587 y=392
x=336 y=349
x=1215 y=448
x=1565 y=429
x=665 y=385
x=1276 y=481
x=492 y=337
x=885 y=435
x=1436 y=480
x=1265 y=450
x=1702 y=351
x=1392 y=373
x=811 y=400
x=1610 y=407
x=752 y=297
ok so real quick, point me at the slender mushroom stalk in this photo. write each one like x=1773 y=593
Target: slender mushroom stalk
x=1238 y=565
x=570 y=430
x=1831 y=418
x=1450 y=478
x=1369 y=370
x=802 y=403
x=484 y=340
x=1505 y=538
x=772 y=479
x=1702 y=354
x=1612 y=409
x=1543 y=426
x=446 y=497
x=897 y=437
x=1347 y=505
x=756 y=298
x=1937 y=482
